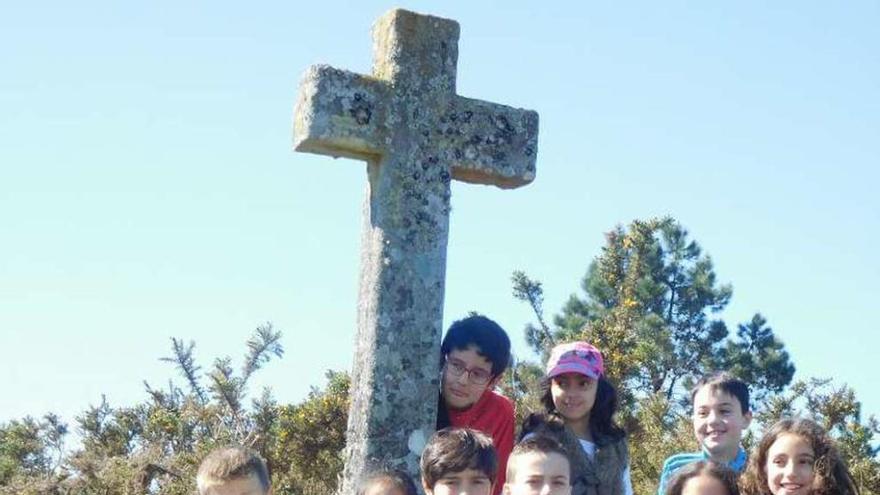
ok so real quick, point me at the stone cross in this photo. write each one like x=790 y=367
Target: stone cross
x=416 y=135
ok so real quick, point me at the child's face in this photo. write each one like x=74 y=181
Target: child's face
x=704 y=485
x=573 y=395
x=247 y=485
x=536 y=473
x=790 y=461
x=461 y=391
x=467 y=482
x=719 y=422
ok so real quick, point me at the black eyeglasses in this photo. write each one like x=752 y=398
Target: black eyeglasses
x=477 y=376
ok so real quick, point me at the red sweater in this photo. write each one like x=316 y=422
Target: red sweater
x=492 y=415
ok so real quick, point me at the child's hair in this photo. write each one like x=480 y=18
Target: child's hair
x=831 y=475
x=389 y=478
x=230 y=463
x=535 y=444
x=489 y=338
x=720 y=472
x=727 y=383
x=453 y=450
x=602 y=424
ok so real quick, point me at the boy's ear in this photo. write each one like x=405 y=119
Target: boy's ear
x=748 y=417
x=428 y=490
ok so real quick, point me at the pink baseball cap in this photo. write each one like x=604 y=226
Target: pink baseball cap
x=575 y=357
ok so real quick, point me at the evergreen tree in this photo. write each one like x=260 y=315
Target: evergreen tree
x=651 y=302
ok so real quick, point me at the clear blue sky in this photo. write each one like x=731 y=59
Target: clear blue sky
x=148 y=188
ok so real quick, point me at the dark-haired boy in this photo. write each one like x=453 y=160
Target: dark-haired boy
x=459 y=461
x=538 y=466
x=475 y=353
x=721 y=414
x=233 y=471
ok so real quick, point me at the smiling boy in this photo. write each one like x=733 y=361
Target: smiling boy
x=721 y=414
x=475 y=352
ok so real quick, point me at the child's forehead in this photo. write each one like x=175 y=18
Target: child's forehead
x=384 y=488
x=539 y=459
x=243 y=485
x=710 y=395
x=468 y=473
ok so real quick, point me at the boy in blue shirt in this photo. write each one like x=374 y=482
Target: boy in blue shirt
x=721 y=414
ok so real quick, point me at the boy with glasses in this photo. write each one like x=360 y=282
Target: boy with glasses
x=475 y=353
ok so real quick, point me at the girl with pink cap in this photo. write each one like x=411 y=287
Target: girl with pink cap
x=579 y=404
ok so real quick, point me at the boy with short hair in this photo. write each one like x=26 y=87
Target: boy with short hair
x=233 y=471
x=475 y=352
x=538 y=466
x=721 y=414
x=459 y=460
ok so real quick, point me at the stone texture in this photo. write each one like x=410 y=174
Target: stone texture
x=416 y=135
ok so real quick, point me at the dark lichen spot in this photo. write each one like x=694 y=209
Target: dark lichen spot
x=529 y=151
x=361 y=115
x=444 y=176
x=361 y=111
x=499 y=156
x=502 y=123
x=466 y=117
x=458 y=154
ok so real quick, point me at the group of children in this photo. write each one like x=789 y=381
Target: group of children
x=572 y=447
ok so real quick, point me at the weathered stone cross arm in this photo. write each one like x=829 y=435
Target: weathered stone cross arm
x=340 y=113
x=488 y=143
x=410 y=98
